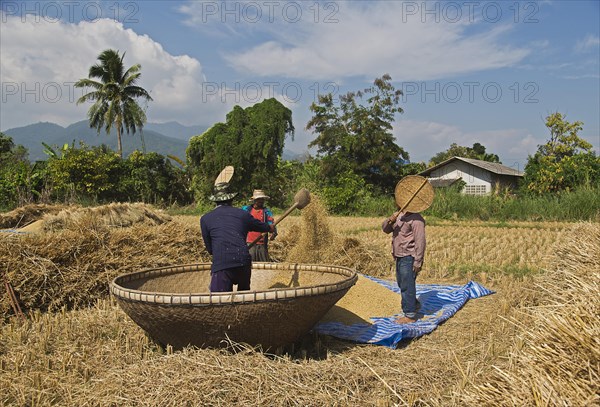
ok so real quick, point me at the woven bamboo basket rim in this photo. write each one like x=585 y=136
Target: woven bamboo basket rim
x=229 y=298
x=407 y=192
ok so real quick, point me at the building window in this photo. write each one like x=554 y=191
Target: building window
x=476 y=189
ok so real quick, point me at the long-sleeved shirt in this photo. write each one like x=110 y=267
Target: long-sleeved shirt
x=224 y=231
x=408 y=237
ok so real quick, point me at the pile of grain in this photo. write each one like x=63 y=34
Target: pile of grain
x=27 y=214
x=72 y=267
x=364 y=300
x=315 y=242
x=556 y=359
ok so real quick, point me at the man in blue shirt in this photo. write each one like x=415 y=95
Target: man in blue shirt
x=224 y=231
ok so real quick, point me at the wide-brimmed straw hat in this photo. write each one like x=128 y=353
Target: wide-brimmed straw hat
x=221 y=193
x=259 y=193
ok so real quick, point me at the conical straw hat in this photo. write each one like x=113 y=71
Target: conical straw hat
x=413 y=193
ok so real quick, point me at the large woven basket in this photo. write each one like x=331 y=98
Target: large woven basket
x=174 y=306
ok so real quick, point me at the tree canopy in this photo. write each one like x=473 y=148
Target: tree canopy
x=477 y=152
x=115 y=95
x=251 y=140
x=15 y=173
x=354 y=134
x=564 y=162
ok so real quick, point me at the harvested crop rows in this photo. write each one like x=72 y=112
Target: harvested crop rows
x=87 y=352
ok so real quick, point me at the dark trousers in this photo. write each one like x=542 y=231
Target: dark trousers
x=223 y=280
x=260 y=252
x=406 y=278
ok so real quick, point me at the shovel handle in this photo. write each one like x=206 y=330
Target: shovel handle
x=286 y=213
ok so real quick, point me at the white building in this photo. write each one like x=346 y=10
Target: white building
x=481 y=177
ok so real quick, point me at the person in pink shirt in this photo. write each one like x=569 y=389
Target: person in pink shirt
x=408 y=249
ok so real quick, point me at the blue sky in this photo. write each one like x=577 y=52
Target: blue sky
x=472 y=71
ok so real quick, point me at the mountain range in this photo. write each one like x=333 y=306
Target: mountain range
x=163 y=138
x=169 y=138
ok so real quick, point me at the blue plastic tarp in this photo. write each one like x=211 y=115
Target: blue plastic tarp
x=438 y=303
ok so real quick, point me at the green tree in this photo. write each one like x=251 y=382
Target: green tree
x=251 y=140
x=16 y=174
x=477 y=152
x=359 y=134
x=115 y=95
x=85 y=172
x=564 y=162
x=412 y=169
x=152 y=178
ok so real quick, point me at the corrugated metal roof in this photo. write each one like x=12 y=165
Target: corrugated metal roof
x=486 y=165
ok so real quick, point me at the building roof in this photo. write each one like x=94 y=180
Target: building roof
x=486 y=165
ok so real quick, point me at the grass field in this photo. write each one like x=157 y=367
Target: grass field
x=97 y=356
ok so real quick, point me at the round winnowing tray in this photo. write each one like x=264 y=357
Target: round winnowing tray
x=413 y=193
x=225 y=175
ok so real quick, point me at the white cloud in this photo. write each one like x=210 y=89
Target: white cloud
x=42 y=59
x=589 y=44
x=375 y=38
x=423 y=140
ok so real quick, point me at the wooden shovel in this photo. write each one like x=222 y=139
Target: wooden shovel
x=301 y=200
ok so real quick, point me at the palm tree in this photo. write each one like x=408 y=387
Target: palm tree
x=114 y=94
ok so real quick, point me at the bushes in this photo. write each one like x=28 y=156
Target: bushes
x=580 y=204
x=152 y=178
x=93 y=175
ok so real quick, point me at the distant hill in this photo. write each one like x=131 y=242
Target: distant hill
x=31 y=137
x=176 y=130
x=164 y=138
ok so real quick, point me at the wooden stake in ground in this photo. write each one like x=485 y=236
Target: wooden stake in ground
x=14 y=302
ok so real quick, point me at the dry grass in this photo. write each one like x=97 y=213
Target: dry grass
x=97 y=356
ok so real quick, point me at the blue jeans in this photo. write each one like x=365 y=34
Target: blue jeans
x=406 y=278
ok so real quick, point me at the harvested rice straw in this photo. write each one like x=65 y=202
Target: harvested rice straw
x=556 y=359
x=27 y=214
x=315 y=235
x=315 y=242
x=72 y=268
x=114 y=215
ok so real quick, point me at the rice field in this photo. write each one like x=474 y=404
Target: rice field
x=490 y=353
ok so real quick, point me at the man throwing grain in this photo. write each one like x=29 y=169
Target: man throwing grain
x=224 y=231
x=258 y=210
x=408 y=248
